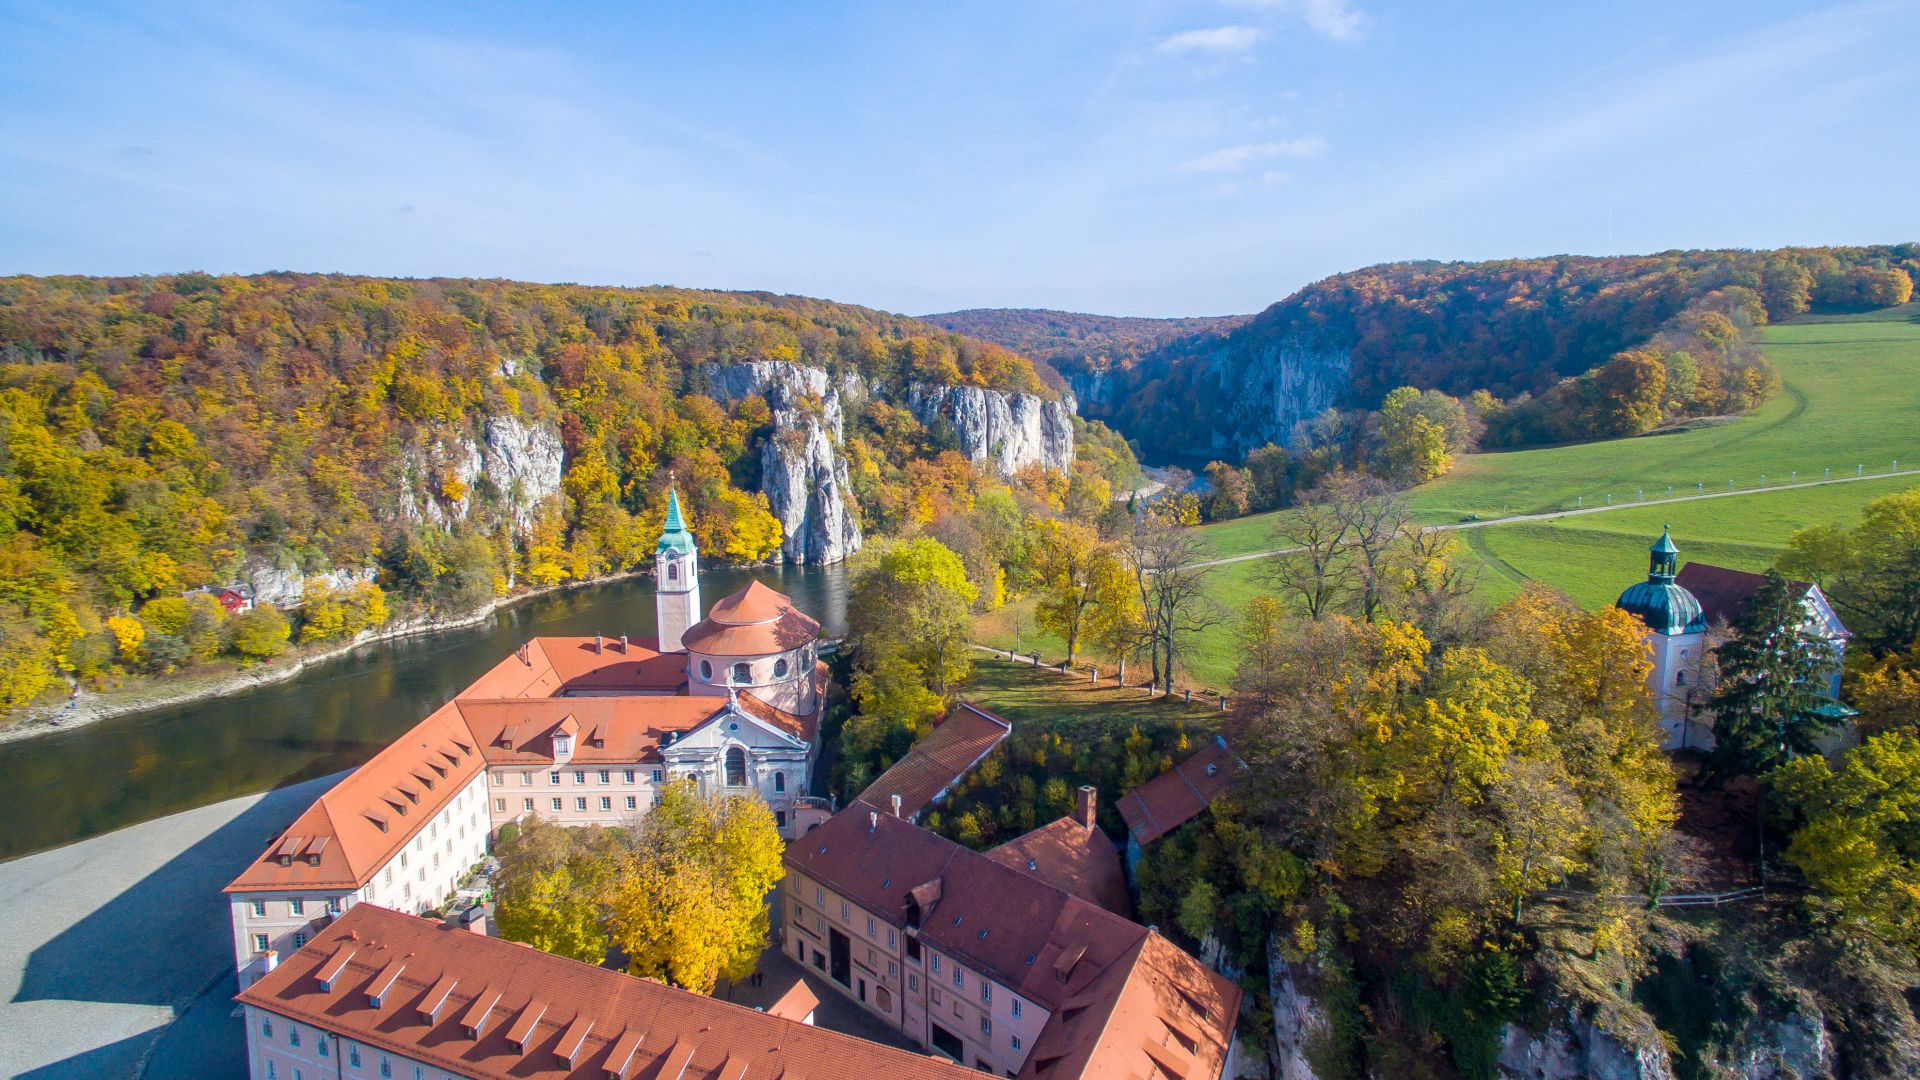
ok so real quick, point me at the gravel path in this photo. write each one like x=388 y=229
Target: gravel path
x=116 y=955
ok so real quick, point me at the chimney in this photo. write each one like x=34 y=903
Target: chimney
x=1083 y=809
x=623 y=644
x=873 y=820
x=599 y=643
x=896 y=806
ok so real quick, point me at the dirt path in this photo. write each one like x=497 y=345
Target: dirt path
x=1552 y=515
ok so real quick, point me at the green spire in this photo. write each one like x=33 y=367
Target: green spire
x=1663 y=563
x=1664 y=545
x=675 y=537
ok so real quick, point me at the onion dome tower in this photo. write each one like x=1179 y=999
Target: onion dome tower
x=1666 y=607
x=1676 y=637
x=676 y=578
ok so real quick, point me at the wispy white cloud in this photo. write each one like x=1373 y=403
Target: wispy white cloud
x=1218 y=39
x=1335 y=19
x=1232 y=159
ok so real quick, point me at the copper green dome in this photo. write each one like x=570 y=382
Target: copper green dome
x=675 y=537
x=1666 y=607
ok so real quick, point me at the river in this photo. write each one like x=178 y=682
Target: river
x=55 y=789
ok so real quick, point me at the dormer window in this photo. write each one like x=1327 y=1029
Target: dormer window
x=742 y=673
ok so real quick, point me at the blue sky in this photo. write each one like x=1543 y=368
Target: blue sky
x=1155 y=158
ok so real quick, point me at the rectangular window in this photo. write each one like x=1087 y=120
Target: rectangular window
x=526 y=804
x=353 y=1056
x=913 y=982
x=553 y=778
x=556 y=805
x=606 y=803
x=299 y=940
x=297 y=906
x=986 y=1027
x=579 y=804
x=386 y=1066
x=259 y=908
x=819 y=895
x=633 y=803
x=321 y=1045
x=606 y=777
x=1016 y=1042
x=526 y=779
x=270 y=1074
x=293 y=1034
x=579 y=776
x=959 y=977
x=629 y=776
x=846 y=912
x=1016 y=1008
x=893 y=939
x=656 y=776
x=986 y=992
x=499 y=806
x=266 y=1026
x=333 y=906
x=389 y=875
x=936 y=963
x=873 y=928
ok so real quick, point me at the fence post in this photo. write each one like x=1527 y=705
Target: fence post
x=1189 y=697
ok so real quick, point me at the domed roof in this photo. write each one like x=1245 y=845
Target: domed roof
x=756 y=621
x=1666 y=608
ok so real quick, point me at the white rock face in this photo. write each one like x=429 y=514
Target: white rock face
x=520 y=462
x=1579 y=1052
x=283 y=585
x=801 y=470
x=1010 y=430
x=1298 y=1020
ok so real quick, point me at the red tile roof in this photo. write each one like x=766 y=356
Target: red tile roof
x=1179 y=795
x=923 y=776
x=508 y=716
x=1074 y=859
x=1725 y=593
x=604 y=1021
x=756 y=621
x=1110 y=985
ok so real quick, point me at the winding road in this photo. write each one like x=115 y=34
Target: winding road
x=1551 y=515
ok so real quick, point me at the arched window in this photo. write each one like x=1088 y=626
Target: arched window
x=779 y=781
x=673 y=571
x=1680 y=679
x=780 y=668
x=736 y=767
x=742 y=673
x=706 y=670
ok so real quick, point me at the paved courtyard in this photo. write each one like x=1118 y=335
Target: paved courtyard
x=116 y=959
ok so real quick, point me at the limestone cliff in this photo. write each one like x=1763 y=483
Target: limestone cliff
x=802 y=471
x=1010 y=430
x=509 y=470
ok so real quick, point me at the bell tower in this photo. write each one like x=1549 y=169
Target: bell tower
x=676 y=578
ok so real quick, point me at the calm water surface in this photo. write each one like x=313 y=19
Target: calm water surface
x=56 y=789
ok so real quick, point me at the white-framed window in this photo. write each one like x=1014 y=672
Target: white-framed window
x=353 y=1056
x=629 y=776
x=986 y=992
x=266 y=1027
x=1016 y=1010
x=580 y=804
x=297 y=906
x=553 y=778
x=1016 y=1042
x=526 y=804
x=299 y=939
x=606 y=802
x=293 y=1034
x=606 y=776
x=959 y=977
x=526 y=779
x=386 y=1066
x=633 y=803
x=320 y=1044
x=893 y=939
x=743 y=673
x=986 y=1027
x=936 y=963
x=556 y=805
x=499 y=806
x=333 y=905
x=259 y=908
x=261 y=943
x=736 y=760
x=657 y=776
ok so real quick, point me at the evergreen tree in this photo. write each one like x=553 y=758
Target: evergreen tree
x=1771 y=674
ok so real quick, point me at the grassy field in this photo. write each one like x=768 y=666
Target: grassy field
x=1033 y=697
x=1851 y=398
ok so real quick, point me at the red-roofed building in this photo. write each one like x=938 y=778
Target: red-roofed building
x=1176 y=796
x=1074 y=856
x=924 y=775
x=991 y=963
x=579 y=730
x=382 y=994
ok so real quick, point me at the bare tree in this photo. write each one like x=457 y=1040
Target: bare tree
x=1433 y=586
x=1311 y=557
x=1377 y=522
x=1165 y=560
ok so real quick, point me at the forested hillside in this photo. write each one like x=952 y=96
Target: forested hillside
x=342 y=439
x=1093 y=342
x=1516 y=329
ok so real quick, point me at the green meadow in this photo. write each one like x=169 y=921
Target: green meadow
x=1850 y=401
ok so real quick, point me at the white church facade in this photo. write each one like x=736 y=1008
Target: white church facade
x=1683 y=607
x=576 y=730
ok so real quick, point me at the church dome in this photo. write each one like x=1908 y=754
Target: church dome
x=1666 y=607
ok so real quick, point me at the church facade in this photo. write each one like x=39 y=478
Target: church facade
x=1682 y=607
x=575 y=730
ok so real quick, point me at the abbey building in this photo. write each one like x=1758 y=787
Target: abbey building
x=583 y=731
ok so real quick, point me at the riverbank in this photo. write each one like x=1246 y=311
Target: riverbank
x=91 y=708
x=117 y=959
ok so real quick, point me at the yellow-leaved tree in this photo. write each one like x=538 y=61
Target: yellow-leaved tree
x=688 y=901
x=549 y=889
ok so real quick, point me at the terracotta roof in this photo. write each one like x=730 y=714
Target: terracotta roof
x=797 y=1003
x=552 y=666
x=1074 y=859
x=351 y=831
x=1177 y=796
x=934 y=764
x=756 y=621
x=516 y=731
x=606 y=1022
x=1112 y=987
x=1725 y=593
x=804 y=728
